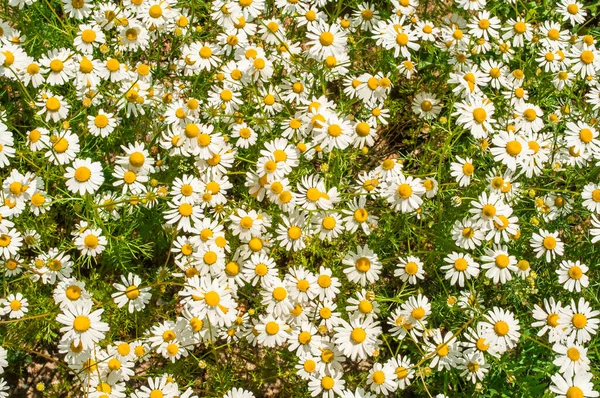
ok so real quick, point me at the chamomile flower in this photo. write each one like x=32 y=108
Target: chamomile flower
x=499 y=264
x=260 y=268
x=326 y=385
x=572 y=11
x=548 y=319
x=426 y=105
x=467 y=234
x=462 y=171
x=409 y=269
x=84 y=176
x=16 y=306
x=91 y=242
x=572 y=358
x=473 y=367
x=571 y=275
x=363 y=267
x=579 y=385
x=404 y=193
x=54 y=107
x=501 y=329
x=444 y=350
x=579 y=321
x=328 y=285
x=460 y=267
x=131 y=294
x=325 y=40
x=381 y=379
x=476 y=116
x=359 y=338
x=272 y=332
x=81 y=325
x=548 y=244
x=11 y=241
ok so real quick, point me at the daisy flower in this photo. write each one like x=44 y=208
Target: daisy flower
x=129 y=293
x=82 y=325
x=84 y=176
x=548 y=319
x=326 y=386
x=579 y=385
x=547 y=243
x=444 y=350
x=529 y=118
x=158 y=387
x=246 y=224
x=499 y=264
x=69 y=292
x=579 y=321
x=91 y=242
x=426 y=105
x=328 y=225
x=10 y=242
x=462 y=171
x=325 y=40
x=571 y=275
x=487 y=208
x=54 y=107
x=467 y=234
x=328 y=285
x=403 y=371
x=363 y=267
x=473 y=367
x=381 y=379
x=16 y=306
x=260 y=268
x=460 y=267
x=485 y=26
x=404 y=193
x=409 y=269
x=572 y=359
x=501 y=329
x=571 y=11
x=103 y=124
x=476 y=116
x=272 y=332
x=358 y=338
x=509 y=149
x=582 y=138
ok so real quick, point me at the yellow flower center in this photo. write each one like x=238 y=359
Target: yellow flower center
x=501 y=328
x=502 y=261
x=272 y=328
x=82 y=174
x=326 y=38
x=91 y=241
x=81 y=323
x=411 y=268
x=513 y=148
x=460 y=264
x=358 y=335
x=549 y=242
x=404 y=191
x=378 y=377
x=479 y=115
x=579 y=321
x=52 y=104
x=586 y=136
x=574 y=391
x=530 y=114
